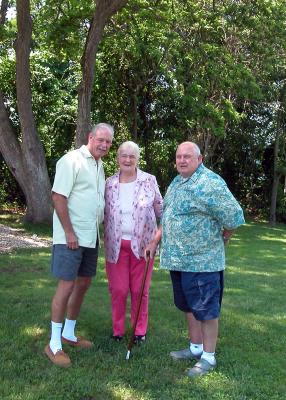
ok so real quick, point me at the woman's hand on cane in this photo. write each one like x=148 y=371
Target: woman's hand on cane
x=152 y=246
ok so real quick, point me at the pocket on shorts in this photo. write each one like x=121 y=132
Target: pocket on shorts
x=65 y=262
x=209 y=287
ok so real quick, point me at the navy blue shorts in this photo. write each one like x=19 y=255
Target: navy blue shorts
x=68 y=264
x=199 y=293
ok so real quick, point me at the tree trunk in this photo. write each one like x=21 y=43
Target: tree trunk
x=276 y=175
x=274 y=191
x=134 y=117
x=103 y=11
x=146 y=127
x=38 y=189
x=3 y=11
x=26 y=160
x=9 y=145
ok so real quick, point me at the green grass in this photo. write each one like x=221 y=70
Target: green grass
x=250 y=351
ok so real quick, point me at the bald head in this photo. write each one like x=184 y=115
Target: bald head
x=188 y=158
x=193 y=147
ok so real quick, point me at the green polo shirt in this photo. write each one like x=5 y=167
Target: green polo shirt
x=80 y=178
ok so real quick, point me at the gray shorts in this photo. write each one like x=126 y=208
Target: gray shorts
x=68 y=264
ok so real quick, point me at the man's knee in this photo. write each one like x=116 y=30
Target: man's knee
x=63 y=293
x=83 y=283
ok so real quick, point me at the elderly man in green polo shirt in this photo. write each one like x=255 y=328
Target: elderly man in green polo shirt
x=78 y=197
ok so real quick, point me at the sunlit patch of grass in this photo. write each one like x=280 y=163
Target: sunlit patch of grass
x=33 y=331
x=123 y=392
x=241 y=270
x=250 y=355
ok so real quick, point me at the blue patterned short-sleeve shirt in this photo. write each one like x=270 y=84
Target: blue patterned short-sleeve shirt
x=196 y=210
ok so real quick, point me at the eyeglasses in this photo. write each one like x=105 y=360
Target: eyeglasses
x=130 y=156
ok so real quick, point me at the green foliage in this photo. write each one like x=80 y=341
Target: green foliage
x=166 y=71
x=10 y=194
x=61 y=27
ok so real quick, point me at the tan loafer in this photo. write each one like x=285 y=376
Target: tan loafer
x=81 y=342
x=61 y=359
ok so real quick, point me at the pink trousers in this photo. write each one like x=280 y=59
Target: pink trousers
x=124 y=276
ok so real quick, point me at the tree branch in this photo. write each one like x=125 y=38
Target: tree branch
x=103 y=11
x=9 y=146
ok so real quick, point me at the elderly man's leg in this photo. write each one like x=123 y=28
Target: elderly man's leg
x=207 y=362
x=206 y=302
x=74 y=305
x=210 y=334
x=59 y=305
x=195 y=334
x=195 y=348
x=194 y=328
x=60 y=299
x=86 y=270
x=81 y=286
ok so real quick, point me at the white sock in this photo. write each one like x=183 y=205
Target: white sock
x=196 y=349
x=68 y=332
x=56 y=333
x=210 y=357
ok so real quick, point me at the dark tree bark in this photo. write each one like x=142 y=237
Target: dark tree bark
x=144 y=112
x=3 y=11
x=279 y=154
x=103 y=12
x=134 y=117
x=26 y=159
x=276 y=179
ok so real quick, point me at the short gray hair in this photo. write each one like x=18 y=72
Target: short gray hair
x=196 y=148
x=130 y=145
x=102 y=125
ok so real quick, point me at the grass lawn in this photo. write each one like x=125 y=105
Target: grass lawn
x=250 y=351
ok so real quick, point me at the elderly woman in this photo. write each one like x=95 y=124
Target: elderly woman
x=132 y=204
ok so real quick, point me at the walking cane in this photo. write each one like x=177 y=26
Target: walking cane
x=131 y=340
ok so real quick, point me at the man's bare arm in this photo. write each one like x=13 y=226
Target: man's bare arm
x=61 y=206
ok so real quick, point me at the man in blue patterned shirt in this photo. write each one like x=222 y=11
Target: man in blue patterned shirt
x=199 y=217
